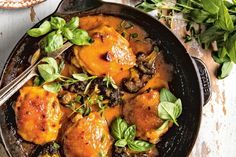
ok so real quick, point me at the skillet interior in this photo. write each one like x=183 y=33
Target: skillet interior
x=178 y=141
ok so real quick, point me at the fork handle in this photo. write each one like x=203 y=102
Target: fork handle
x=15 y=85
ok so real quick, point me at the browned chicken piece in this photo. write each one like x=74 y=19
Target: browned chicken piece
x=142 y=111
x=38 y=115
x=87 y=137
x=110 y=53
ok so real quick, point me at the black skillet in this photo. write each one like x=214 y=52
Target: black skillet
x=190 y=81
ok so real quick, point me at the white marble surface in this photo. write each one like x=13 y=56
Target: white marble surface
x=217 y=137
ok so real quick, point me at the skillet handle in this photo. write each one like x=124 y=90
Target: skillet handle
x=205 y=79
x=75 y=6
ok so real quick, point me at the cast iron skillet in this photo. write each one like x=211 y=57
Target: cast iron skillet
x=190 y=81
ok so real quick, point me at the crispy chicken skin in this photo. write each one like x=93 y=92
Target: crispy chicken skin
x=38 y=115
x=110 y=53
x=88 y=137
x=142 y=111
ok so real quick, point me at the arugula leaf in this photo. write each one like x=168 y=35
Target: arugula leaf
x=139 y=145
x=167 y=96
x=118 y=128
x=52 y=41
x=80 y=37
x=130 y=133
x=52 y=87
x=225 y=70
x=43 y=29
x=57 y=22
x=121 y=143
x=73 y=23
x=212 y=6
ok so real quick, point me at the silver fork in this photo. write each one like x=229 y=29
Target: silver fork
x=11 y=88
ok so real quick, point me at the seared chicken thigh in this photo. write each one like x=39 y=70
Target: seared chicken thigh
x=38 y=115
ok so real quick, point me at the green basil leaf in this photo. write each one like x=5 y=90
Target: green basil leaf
x=224 y=21
x=163 y=126
x=231 y=47
x=139 y=145
x=67 y=33
x=221 y=56
x=168 y=111
x=52 y=42
x=52 y=62
x=212 y=6
x=57 y=22
x=130 y=133
x=179 y=109
x=118 y=128
x=225 y=70
x=38 y=81
x=52 y=87
x=121 y=143
x=199 y=15
x=80 y=37
x=73 y=23
x=47 y=72
x=166 y=95
x=43 y=29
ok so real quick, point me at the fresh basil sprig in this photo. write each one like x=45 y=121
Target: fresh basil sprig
x=62 y=31
x=43 y=29
x=170 y=108
x=125 y=136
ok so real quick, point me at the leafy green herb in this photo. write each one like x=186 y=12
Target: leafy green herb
x=57 y=22
x=80 y=37
x=52 y=41
x=118 y=128
x=163 y=126
x=83 y=77
x=73 y=23
x=53 y=87
x=56 y=146
x=139 y=145
x=225 y=69
x=62 y=32
x=170 y=108
x=125 y=136
x=167 y=96
x=43 y=29
x=109 y=81
x=217 y=16
x=121 y=143
x=38 y=81
x=49 y=71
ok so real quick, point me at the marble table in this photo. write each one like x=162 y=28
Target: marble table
x=217 y=136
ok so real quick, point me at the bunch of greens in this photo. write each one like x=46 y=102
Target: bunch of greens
x=125 y=136
x=170 y=108
x=60 y=31
x=219 y=19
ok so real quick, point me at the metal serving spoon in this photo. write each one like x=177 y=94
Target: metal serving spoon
x=10 y=89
